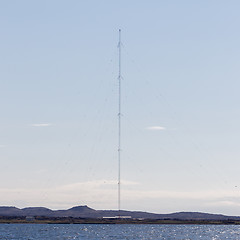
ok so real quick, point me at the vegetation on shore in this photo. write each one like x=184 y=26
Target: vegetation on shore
x=71 y=220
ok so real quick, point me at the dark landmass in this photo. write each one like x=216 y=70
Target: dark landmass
x=70 y=220
x=84 y=214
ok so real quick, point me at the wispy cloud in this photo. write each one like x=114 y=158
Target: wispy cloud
x=156 y=128
x=98 y=193
x=222 y=203
x=97 y=184
x=41 y=125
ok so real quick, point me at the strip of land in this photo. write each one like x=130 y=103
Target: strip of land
x=86 y=215
x=70 y=220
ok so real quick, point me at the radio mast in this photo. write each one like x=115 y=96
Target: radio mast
x=119 y=124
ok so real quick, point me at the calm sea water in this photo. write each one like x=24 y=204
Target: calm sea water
x=130 y=231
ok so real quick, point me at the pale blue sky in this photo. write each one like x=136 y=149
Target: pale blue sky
x=58 y=101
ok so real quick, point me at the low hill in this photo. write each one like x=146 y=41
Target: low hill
x=86 y=212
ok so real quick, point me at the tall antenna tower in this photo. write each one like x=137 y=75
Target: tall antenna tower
x=119 y=124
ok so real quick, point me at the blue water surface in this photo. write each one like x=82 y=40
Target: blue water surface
x=128 y=231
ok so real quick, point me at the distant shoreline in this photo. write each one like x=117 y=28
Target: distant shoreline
x=85 y=214
x=70 y=220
